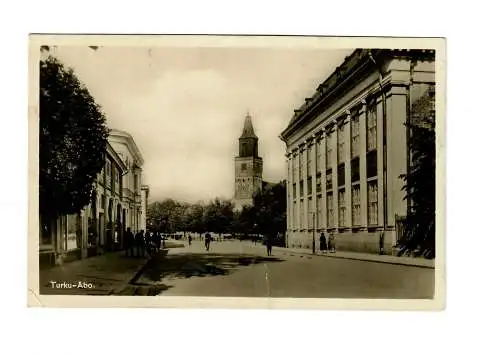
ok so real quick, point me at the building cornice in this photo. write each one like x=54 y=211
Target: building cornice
x=354 y=67
x=130 y=142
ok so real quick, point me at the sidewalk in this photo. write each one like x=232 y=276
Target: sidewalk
x=99 y=275
x=388 y=259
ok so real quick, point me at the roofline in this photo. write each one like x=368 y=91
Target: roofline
x=307 y=109
x=135 y=149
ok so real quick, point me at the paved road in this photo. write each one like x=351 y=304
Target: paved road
x=240 y=269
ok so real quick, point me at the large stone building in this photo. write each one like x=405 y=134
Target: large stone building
x=248 y=166
x=115 y=205
x=348 y=145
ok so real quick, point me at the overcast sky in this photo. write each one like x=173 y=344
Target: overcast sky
x=185 y=107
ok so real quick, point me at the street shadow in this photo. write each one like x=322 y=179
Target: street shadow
x=199 y=265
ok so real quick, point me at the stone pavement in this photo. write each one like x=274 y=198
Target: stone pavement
x=388 y=259
x=99 y=275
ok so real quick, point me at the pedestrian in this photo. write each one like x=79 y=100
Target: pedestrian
x=189 y=239
x=322 y=242
x=381 y=242
x=157 y=240
x=208 y=239
x=269 y=244
x=140 y=244
x=129 y=243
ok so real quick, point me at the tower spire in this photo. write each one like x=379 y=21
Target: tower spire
x=248 y=131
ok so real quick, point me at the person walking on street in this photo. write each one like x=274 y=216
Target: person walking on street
x=140 y=244
x=322 y=242
x=269 y=244
x=189 y=240
x=157 y=240
x=129 y=243
x=208 y=239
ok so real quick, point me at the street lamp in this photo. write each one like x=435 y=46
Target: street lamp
x=314 y=229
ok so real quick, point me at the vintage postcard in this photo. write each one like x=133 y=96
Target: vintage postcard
x=236 y=172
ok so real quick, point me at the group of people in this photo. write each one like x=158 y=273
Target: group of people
x=141 y=244
x=326 y=245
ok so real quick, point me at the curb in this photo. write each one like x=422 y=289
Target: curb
x=362 y=259
x=138 y=273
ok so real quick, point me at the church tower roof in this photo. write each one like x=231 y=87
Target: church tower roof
x=248 y=131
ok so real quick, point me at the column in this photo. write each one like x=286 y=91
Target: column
x=362 y=167
x=380 y=165
x=289 y=192
x=315 y=217
x=335 y=182
x=296 y=215
x=305 y=212
x=323 y=181
x=396 y=137
x=348 y=186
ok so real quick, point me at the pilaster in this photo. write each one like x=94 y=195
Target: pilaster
x=315 y=218
x=335 y=182
x=348 y=185
x=362 y=167
x=323 y=181
x=380 y=165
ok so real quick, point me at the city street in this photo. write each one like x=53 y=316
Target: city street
x=241 y=269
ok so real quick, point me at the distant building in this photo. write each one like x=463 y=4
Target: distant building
x=248 y=166
x=126 y=148
x=144 y=206
x=347 y=145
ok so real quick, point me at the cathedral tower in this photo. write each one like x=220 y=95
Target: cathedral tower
x=248 y=166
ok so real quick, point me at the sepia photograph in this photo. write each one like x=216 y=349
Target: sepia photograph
x=236 y=171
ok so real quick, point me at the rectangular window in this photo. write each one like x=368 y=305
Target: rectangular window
x=355 y=136
x=371 y=164
x=310 y=213
x=371 y=129
x=301 y=215
x=329 y=206
x=372 y=203
x=329 y=150
x=319 y=157
x=341 y=144
x=309 y=159
x=294 y=191
x=356 y=206
x=355 y=169
x=295 y=216
x=301 y=163
x=243 y=167
x=319 y=211
x=318 y=183
x=301 y=188
x=341 y=175
x=329 y=178
x=309 y=186
x=342 y=208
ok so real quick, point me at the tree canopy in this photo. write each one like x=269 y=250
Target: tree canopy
x=73 y=136
x=420 y=180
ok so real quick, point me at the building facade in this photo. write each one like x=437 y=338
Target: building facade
x=125 y=146
x=113 y=208
x=347 y=147
x=248 y=166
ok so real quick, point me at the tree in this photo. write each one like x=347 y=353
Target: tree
x=419 y=187
x=73 y=138
x=270 y=209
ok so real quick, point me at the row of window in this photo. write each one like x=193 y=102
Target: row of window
x=304 y=158
x=298 y=220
